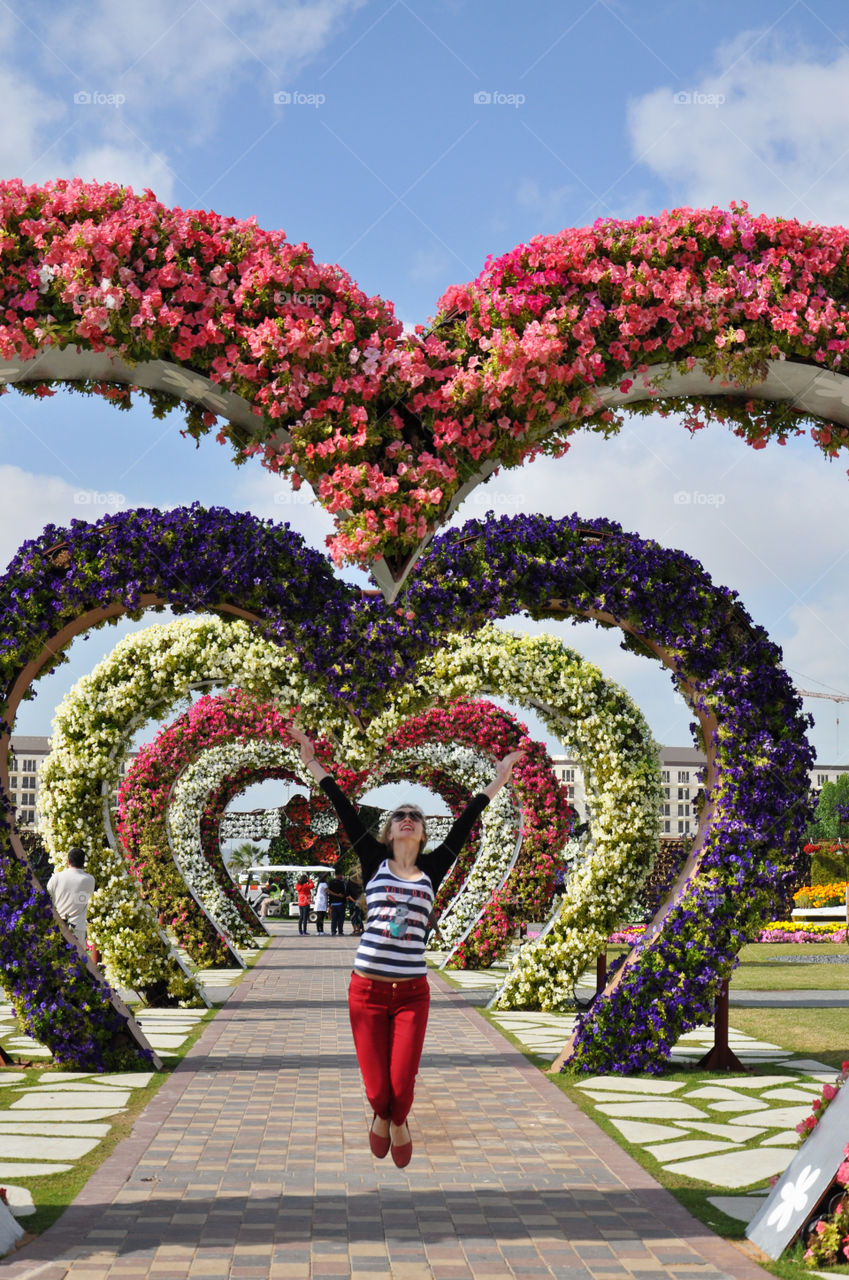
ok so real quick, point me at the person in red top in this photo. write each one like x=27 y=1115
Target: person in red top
x=304 y=888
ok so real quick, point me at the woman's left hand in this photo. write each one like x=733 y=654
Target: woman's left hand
x=503 y=771
x=504 y=768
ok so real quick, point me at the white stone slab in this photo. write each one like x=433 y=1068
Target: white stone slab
x=787 y=1138
x=659 y=1109
x=610 y=1095
x=686 y=1148
x=129 y=1079
x=780 y=1117
x=163 y=1041
x=71 y=1096
x=20 y=1201
x=731 y=1132
x=792 y=1094
x=59 y=1128
x=811 y=1065
x=28 y=1048
x=641 y=1131
x=71 y=1103
x=169 y=1028
x=717 y=1091
x=82 y=1087
x=628 y=1084
x=8 y=1078
x=181 y=1015
x=29 y=1147
x=743 y=1104
x=61 y=1077
x=757 y=1082
x=22 y=1169
x=735 y=1168
x=743 y=1208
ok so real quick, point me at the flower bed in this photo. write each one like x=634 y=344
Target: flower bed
x=822 y=895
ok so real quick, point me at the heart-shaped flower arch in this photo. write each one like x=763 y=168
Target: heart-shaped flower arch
x=151 y=669
x=728 y=670
x=166 y=791
x=106 y=290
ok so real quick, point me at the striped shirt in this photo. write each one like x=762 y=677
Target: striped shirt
x=400 y=952
x=398 y=910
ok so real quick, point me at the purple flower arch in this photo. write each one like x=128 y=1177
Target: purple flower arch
x=55 y=588
x=749 y=717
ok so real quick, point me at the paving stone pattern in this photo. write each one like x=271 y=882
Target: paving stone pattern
x=252 y=1161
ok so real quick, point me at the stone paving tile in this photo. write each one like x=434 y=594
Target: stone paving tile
x=252 y=1161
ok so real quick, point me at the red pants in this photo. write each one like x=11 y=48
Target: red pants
x=389 y=1020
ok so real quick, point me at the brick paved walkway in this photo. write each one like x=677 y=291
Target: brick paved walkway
x=252 y=1161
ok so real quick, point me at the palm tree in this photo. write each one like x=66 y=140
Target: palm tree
x=244 y=856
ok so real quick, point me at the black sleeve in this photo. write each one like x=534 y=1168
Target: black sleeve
x=438 y=863
x=369 y=851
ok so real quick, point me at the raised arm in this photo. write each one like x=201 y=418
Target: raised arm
x=368 y=850
x=440 y=861
x=308 y=757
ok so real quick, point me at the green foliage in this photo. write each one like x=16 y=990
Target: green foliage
x=831 y=820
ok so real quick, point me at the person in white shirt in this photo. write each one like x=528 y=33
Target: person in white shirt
x=320 y=904
x=70 y=891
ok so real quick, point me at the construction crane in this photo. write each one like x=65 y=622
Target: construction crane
x=830 y=697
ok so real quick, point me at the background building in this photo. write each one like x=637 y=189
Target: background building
x=680 y=775
x=680 y=778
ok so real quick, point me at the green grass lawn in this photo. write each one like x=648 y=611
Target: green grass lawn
x=53 y=1194
x=760 y=967
x=821 y=1033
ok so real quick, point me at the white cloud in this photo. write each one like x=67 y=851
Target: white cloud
x=766 y=126
x=31 y=118
x=160 y=54
x=31 y=501
x=109 y=69
x=130 y=166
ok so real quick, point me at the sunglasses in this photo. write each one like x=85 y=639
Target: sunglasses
x=400 y=814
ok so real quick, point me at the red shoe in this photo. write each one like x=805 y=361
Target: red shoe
x=379 y=1145
x=402 y=1153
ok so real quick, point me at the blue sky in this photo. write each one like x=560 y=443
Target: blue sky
x=407 y=141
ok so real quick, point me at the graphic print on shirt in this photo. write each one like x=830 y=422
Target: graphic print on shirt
x=394 y=916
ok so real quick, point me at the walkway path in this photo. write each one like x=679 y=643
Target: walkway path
x=252 y=1161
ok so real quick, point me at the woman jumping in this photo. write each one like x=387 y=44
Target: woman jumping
x=388 y=998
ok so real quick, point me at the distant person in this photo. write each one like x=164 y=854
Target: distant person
x=354 y=891
x=320 y=904
x=304 y=888
x=336 y=896
x=70 y=890
x=264 y=900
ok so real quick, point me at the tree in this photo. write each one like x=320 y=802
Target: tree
x=244 y=856
x=830 y=831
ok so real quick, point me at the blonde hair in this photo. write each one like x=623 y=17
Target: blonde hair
x=387 y=827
